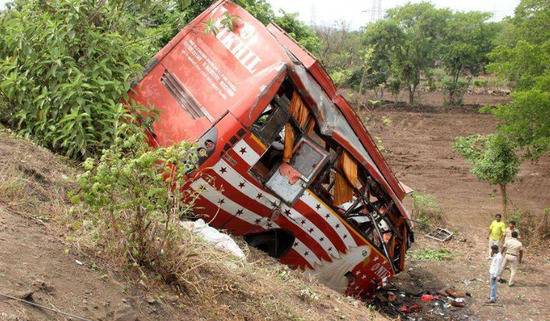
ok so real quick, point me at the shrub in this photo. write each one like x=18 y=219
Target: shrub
x=426 y=211
x=64 y=67
x=493 y=159
x=534 y=230
x=394 y=86
x=134 y=196
x=455 y=90
x=481 y=83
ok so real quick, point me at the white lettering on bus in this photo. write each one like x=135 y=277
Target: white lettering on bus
x=239 y=49
x=380 y=271
x=236 y=44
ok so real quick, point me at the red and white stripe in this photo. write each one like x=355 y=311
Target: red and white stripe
x=225 y=203
x=246 y=152
x=332 y=218
x=306 y=253
x=325 y=234
x=239 y=182
x=311 y=229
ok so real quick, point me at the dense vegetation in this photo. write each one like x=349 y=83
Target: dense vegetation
x=523 y=57
x=66 y=65
x=414 y=43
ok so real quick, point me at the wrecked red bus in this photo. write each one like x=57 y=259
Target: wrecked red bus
x=284 y=160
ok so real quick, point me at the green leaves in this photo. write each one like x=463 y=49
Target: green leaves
x=64 y=67
x=527 y=120
x=406 y=42
x=137 y=191
x=523 y=57
x=415 y=39
x=492 y=157
x=298 y=31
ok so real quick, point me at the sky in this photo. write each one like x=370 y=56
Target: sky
x=356 y=13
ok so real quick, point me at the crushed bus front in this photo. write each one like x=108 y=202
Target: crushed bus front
x=285 y=162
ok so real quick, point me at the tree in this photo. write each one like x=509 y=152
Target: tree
x=409 y=36
x=468 y=38
x=384 y=42
x=523 y=57
x=527 y=120
x=344 y=66
x=493 y=160
x=298 y=30
x=65 y=65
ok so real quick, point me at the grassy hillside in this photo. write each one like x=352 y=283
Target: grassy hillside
x=48 y=249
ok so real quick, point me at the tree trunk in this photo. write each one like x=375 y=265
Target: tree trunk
x=411 y=95
x=504 y=201
x=453 y=91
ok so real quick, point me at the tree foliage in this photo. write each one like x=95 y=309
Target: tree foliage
x=415 y=39
x=66 y=65
x=493 y=160
x=523 y=56
x=298 y=30
x=467 y=40
x=420 y=25
x=344 y=66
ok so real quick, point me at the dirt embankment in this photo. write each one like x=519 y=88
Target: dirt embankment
x=42 y=258
x=418 y=147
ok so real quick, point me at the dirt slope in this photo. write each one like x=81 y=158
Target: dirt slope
x=418 y=148
x=39 y=256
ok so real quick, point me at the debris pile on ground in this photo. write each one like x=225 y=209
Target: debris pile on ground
x=440 y=304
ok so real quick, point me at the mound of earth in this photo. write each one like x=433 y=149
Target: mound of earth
x=42 y=261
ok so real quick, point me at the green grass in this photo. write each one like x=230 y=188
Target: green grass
x=432 y=255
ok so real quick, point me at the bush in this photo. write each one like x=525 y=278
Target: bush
x=341 y=77
x=64 y=67
x=533 y=230
x=133 y=196
x=455 y=91
x=426 y=211
x=481 y=83
x=394 y=86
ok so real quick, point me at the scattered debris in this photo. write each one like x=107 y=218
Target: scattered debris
x=459 y=302
x=440 y=234
x=428 y=298
x=442 y=304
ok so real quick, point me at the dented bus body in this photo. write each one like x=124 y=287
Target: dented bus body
x=284 y=160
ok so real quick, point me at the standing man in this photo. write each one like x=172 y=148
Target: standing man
x=511 y=228
x=513 y=255
x=494 y=272
x=497 y=230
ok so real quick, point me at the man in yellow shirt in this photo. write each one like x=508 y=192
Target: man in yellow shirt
x=497 y=231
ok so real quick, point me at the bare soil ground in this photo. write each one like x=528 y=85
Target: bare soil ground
x=418 y=147
x=42 y=261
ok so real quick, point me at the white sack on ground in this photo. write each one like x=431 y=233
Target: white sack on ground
x=220 y=240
